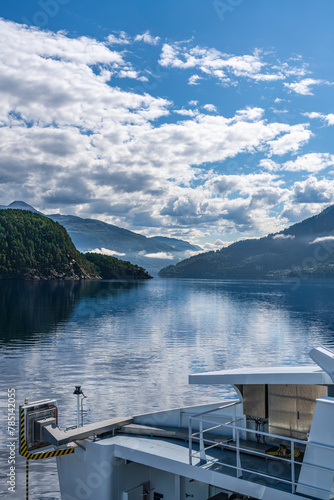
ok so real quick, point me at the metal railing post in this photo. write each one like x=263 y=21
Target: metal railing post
x=190 y=442
x=239 y=472
x=293 y=479
x=234 y=421
x=202 y=454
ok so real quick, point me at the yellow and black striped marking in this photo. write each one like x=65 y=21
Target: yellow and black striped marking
x=37 y=456
x=27 y=480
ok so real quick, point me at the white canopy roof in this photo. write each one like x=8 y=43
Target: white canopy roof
x=320 y=374
x=311 y=374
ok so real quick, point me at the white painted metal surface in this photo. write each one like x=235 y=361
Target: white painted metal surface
x=318 y=454
x=118 y=466
x=311 y=374
x=324 y=358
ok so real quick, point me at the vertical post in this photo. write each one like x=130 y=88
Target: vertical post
x=293 y=479
x=27 y=479
x=190 y=442
x=239 y=472
x=201 y=442
x=78 y=393
x=234 y=420
x=78 y=410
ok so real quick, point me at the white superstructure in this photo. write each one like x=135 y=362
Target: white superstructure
x=274 y=441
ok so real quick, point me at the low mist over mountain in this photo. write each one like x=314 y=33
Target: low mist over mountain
x=304 y=249
x=95 y=235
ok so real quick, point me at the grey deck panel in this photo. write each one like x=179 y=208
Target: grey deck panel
x=58 y=437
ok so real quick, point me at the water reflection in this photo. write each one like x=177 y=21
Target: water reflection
x=31 y=309
x=131 y=345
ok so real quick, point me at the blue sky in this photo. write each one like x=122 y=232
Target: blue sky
x=206 y=120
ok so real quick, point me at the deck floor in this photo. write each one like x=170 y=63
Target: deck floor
x=178 y=450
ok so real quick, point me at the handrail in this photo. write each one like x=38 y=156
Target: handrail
x=234 y=403
x=235 y=433
x=286 y=438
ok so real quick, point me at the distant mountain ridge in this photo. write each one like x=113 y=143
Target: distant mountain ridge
x=34 y=247
x=91 y=234
x=304 y=249
x=21 y=205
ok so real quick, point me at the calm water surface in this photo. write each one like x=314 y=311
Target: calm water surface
x=132 y=345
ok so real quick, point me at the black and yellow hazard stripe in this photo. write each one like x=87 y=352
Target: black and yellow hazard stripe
x=37 y=456
x=27 y=479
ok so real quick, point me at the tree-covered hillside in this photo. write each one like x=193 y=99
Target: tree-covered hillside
x=34 y=246
x=305 y=248
x=110 y=267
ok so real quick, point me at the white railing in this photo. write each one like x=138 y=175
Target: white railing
x=233 y=433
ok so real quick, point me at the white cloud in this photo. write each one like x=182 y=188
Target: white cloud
x=147 y=38
x=283 y=236
x=158 y=255
x=279 y=99
x=323 y=239
x=193 y=103
x=328 y=119
x=303 y=87
x=311 y=162
x=269 y=164
x=249 y=114
x=107 y=251
x=194 y=79
x=186 y=112
x=314 y=191
x=296 y=136
x=210 y=107
x=214 y=63
x=121 y=39
x=128 y=73
x=71 y=138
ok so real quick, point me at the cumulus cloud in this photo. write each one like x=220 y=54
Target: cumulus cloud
x=194 y=79
x=210 y=107
x=186 y=112
x=224 y=67
x=121 y=38
x=269 y=164
x=147 y=38
x=296 y=136
x=283 y=236
x=303 y=87
x=158 y=255
x=314 y=191
x=323 y=239
x=71 y=137
x=107 y=251
x=311 y=162
x=249 y=114
x=328 y=119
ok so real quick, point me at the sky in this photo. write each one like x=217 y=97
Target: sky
x=207 y=120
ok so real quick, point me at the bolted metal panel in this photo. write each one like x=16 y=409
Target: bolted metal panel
x=291 y=408
x=255 y=400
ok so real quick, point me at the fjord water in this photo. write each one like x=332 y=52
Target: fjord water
x=131 y=345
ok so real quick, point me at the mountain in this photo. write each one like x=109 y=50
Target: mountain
x=92 y=234
x=304 y=249
x=178 y=245
x=21 y=205
x=33 y=246
x=88 y=234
